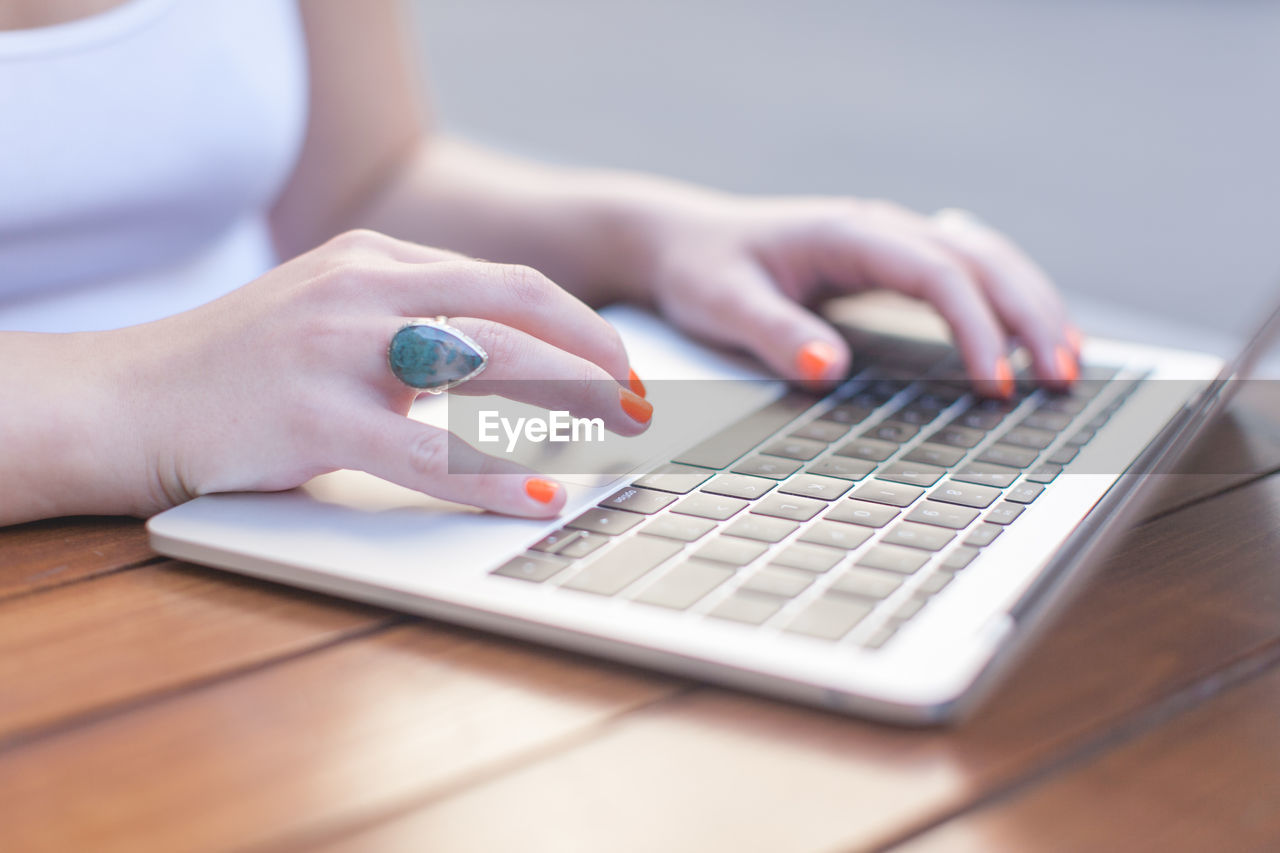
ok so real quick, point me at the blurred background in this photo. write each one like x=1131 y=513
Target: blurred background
x=1131 y=146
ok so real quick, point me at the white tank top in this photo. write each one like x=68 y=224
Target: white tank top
x=140 y=149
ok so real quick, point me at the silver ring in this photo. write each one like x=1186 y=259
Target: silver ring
x=433 y=356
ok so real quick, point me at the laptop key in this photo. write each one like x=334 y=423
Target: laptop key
x=748 y=608
x=984 y=474
x=1046 y=473
x=1082 y=437
x=891 y=558
x=909 y=608
x=680 y=527
x=1063 y=454
x=935 y=454
x=725 y=447
x=820 y=430
x=1052 y=421
x=555 y=540
x=836 y=535
x=983 y=535
x=731 y=550
x=582 y=545
x=1008 y=455
x=530 y=567
x=863 y=513
x=841 y=467
x=673 y=478
x=622 y=566
x=1037 y=439
x=831 y=617
x=943 y=515
x=1063 y=404
x=868 y=448
x=709 y=506
x=959 y=558
x=610 y=521
x=894 y=494
x=847 y=413
x=1005 y=513
x=795 y=448
x=761 y=528
x=811 y=558
x=911 y=473
x=1024 y=492
x=739 y=486
x=685 y=585
x=644 y=501
x=810 y=486
x=935 y=582
x=780 y=581
x=957 y=436
x=922 y=536
x=867 y=583
x=892 y=431
x=789 y=507
x=979 y=419
x=965 y=494
x=773 y=467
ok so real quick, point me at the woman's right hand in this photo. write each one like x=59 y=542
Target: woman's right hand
x=287 y=377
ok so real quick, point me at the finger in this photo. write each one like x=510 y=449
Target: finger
x=1021 y=293
x=514 y=295
x=852 y=253
x=754 y=315
x=529 y=370
x=433 y=461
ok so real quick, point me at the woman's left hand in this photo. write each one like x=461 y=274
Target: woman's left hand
x=745 y=272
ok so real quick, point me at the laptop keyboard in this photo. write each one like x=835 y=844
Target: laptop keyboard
x=816 y=518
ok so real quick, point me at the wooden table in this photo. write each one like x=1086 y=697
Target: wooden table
x=147 y=704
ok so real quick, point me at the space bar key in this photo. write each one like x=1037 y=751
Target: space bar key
x=623 y=565
x=735 y=440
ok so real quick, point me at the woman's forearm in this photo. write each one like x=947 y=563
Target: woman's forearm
x=591 y=231
x=66 y=444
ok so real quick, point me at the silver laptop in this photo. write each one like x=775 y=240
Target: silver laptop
x=884 y=550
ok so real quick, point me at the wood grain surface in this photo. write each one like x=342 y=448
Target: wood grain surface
x=150 y=705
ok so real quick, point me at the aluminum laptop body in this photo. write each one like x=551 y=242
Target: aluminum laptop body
x=354 y=536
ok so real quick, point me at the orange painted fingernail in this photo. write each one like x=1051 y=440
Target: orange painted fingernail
x=637 y=407
x=1067 y=367
x=542 y=491
x=815 y=359
x=637 y=387
x=1004 y=377
x=1075 y=340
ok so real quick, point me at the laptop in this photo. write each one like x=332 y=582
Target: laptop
x=884 y=550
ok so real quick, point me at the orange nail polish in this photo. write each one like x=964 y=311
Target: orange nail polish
x=815 y=359
x=637 y=387
x=1004 y=377
x=636 y=407
x=1075 y=340
x=1067 y=367
x=542 y=491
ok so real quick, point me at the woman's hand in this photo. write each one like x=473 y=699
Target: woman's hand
x=287 y=377
x=744 y=272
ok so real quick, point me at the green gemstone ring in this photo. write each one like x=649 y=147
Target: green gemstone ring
x=433 y=356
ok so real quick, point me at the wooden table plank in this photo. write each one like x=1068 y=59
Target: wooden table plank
x=329 y=739
x=713 y=770
x=50 y=553
x=78 y=649
x=1208 y=780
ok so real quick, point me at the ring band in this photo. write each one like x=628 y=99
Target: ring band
x=433 y=356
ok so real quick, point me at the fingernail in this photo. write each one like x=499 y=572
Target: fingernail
x=815 y=359
x=637 y=407
x=542 y=491
x=1068 y=369
x=637 y=387
x=1075 y=340
x=1004 y=378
